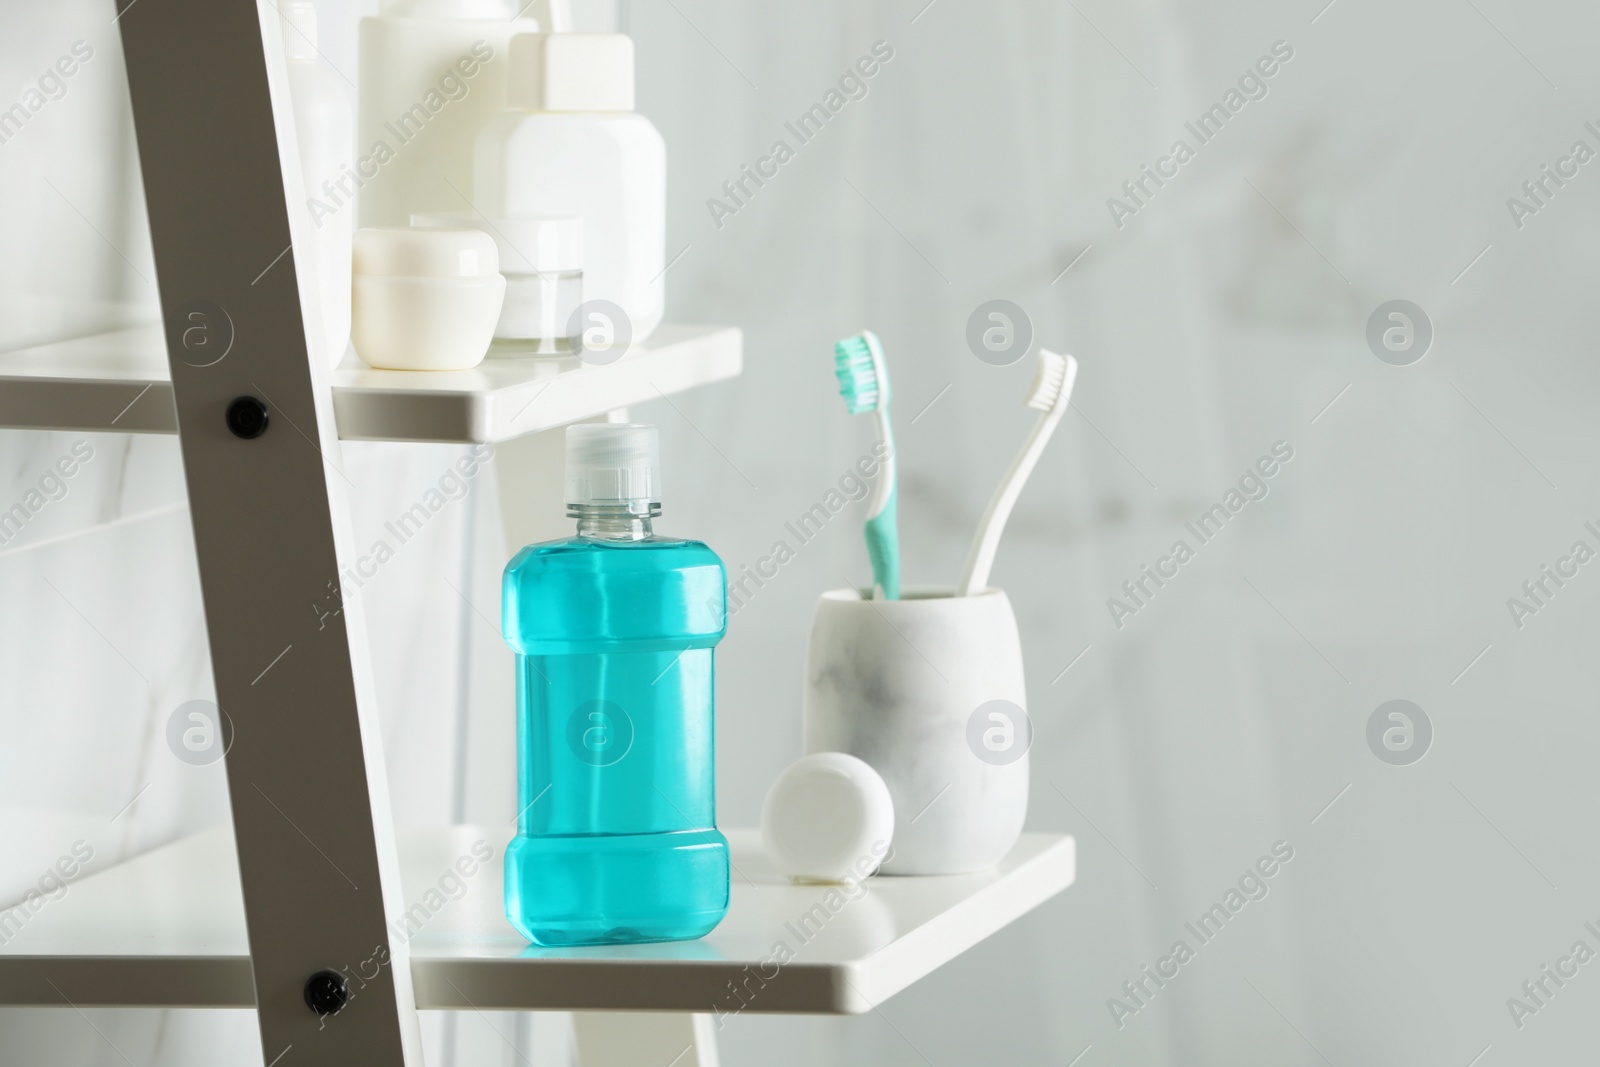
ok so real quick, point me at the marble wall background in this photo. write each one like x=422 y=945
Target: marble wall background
x=1222 y=318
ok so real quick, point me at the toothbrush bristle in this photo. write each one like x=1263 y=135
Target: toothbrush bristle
x=857 y=374
x=1049 y=380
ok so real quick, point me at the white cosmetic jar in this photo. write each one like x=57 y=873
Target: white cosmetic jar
x=425 y=299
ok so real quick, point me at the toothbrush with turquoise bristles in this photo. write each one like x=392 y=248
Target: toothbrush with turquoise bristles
x=864 y=383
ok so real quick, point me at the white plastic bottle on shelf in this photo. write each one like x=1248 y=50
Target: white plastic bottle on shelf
x=325 y=130
x=432 y=74
x=572 y=145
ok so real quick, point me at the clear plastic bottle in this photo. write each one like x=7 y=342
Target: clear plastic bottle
x=614 y=632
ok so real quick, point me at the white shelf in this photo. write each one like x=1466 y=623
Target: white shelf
x=118 y=382
x=167 y=929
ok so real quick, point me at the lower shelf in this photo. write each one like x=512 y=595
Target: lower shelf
x=167 y=930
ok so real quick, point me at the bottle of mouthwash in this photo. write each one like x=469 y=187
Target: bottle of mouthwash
x=614 y=631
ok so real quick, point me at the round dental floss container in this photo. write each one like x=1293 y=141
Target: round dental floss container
x=828 y=818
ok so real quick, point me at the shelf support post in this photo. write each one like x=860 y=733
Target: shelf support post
x=261 y=459
x=630 y=1038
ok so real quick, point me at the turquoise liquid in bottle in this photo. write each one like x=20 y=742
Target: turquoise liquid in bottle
x=614 y=632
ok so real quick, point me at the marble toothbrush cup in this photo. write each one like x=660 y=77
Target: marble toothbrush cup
x=929 y=691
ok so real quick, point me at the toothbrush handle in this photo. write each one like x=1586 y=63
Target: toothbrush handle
x=883 y=524
x=981 y=559
x=883 y=548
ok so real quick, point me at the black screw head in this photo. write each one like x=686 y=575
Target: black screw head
x=247 y=418
x=327 y=992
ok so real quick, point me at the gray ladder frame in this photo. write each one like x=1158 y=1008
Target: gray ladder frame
x=311 y=812
x=312 y=821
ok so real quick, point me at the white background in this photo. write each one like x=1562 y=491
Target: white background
x=1222 y=318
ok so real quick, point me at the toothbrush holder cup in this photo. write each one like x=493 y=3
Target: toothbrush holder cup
x=929 y=691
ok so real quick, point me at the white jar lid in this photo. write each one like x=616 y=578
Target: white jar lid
x=528 y=244
x=413 y=253
x=828 y=818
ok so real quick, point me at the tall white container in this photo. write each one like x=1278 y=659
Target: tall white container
x=432 y=75
x=325 y=131
x=571 y=144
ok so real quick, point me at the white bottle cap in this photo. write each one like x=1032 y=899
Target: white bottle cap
x=549 y=244
x=828 y=818
x=615 y=463
x=570 y=72
x=299 y=28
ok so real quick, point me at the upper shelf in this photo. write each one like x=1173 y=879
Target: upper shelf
x=167 y=929
x=118 y=382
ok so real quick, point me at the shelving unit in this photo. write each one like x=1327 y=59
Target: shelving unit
x=311 y=876
x=119 y=383
x=168 y=929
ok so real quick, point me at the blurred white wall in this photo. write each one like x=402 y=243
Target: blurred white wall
x=1221 y=318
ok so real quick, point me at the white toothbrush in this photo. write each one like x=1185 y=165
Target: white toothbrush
x=1051 y=390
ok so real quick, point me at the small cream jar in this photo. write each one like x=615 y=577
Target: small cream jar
x=425 y=299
